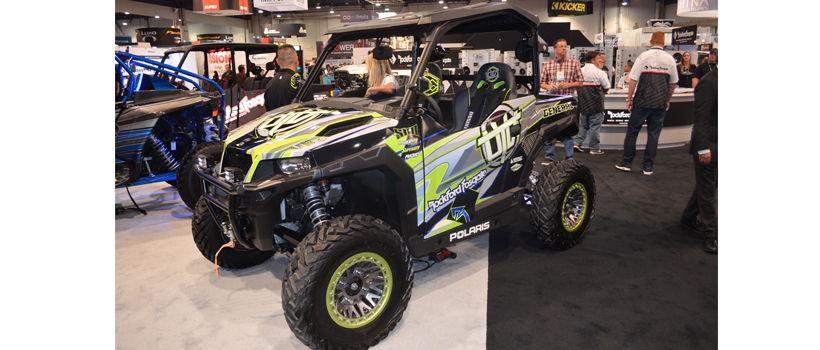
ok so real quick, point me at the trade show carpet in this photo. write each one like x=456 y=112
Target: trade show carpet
x=638 y=280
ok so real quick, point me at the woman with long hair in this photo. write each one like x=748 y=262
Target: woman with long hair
x=380 y=77
x=685 y=70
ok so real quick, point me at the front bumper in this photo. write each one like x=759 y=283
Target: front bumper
x=253 y=209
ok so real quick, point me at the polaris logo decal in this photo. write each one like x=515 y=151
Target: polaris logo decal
x=288 y=121
x=469 y=232
x=451 y=194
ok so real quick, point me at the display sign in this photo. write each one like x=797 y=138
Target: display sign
x=660 y=23
x=285 y=29
x=450 y=60
x=281 y=5
x=243 y=106
x=222 y=7
x=567 y=8
x=213 y=38
x=599 y=38
x=160 y=37
x=355 y=16
x=698 y=8
x=705 y=47
x=401 y=60
x=345 y=49
x=617 y=117
x=685 y=35
x=122 y=40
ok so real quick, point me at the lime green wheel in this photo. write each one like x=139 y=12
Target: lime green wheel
x=347 y=284
x=563 y=203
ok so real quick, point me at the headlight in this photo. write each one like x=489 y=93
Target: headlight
x=205 y=161
x=294 y=165
x=233 y=175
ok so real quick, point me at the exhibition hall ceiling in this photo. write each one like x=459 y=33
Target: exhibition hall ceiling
x=189 y=4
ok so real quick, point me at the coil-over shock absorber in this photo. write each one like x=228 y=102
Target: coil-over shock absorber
x=315 y=204
x=161 y=153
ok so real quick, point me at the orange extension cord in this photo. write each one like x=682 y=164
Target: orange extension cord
x=229 y=245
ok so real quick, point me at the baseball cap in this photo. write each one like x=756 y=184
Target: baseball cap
x=714 y=51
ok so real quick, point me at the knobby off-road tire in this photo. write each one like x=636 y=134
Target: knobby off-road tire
x=322 y=281
x=209 y=238
x=187 y=182
x=563 y=203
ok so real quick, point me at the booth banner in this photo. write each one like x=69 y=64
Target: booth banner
x=222 y=7
x=214 y=38
x=660 y=23
x=281 y=5
x=243 y=106
x=285 y=29
x=450 y=60
x=355 y=16
x=122 y=40
x=698 y=8
x=685 y=35
x=567 y=8
x=345 y=49
x=160 y=37
x=401 y=60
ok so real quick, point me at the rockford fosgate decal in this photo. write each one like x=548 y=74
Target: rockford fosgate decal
x=469 y=232
x=244 y=107
x=451 y=194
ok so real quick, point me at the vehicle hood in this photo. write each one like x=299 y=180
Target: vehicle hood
x=296 y=130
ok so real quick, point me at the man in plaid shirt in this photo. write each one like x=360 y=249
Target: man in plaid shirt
x=561 y=76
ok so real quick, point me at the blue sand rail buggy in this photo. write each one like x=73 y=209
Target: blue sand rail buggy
x=161 y=127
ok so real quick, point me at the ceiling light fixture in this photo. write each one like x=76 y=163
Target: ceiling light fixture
x=318 y=7
x=278 y=15
x=386 y=8
x=331 y=11
x=124 y=23
x=260 y=11
x=157 y=16
x=625 y=2
x=126 y=12
x=378 y=4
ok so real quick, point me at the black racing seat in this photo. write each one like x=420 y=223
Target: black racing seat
x=429 y=84
x=494 y=83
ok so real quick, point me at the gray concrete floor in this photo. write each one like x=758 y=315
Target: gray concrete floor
x=168 y=295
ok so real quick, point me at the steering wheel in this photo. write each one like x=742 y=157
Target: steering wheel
x=431 y=103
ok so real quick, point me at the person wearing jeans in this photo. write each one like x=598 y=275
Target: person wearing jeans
x=591 y=103
x=653 y=81
x=654 y=123
x=590 y=124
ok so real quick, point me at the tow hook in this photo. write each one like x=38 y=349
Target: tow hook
x=228 y=232
x=443 y=254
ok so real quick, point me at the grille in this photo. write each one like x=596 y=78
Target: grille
x=237 y=159
x=529 y=142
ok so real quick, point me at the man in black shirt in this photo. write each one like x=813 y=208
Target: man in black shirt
x=705 y=67
x=285 y=84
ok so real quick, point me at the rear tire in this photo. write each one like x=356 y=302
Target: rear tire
x=209 y=238
x=563 y=203
x=330 y=305
x=187 y=182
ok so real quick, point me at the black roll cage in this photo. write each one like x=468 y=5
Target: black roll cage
x=430 y=34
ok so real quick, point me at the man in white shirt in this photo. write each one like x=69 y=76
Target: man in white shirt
x=591 y=104
x=657 y=73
